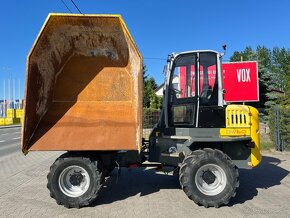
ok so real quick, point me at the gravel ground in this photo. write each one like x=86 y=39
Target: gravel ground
x=264 y=191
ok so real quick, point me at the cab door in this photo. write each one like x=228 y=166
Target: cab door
x=183 y=94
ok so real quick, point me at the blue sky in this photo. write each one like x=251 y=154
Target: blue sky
x=158 y=27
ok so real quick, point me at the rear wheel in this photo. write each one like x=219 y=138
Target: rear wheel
x=74 y=181
x=209 y=177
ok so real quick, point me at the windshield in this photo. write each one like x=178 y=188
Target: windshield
x=184 y=77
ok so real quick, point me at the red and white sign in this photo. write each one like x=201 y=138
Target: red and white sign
x=241 y=81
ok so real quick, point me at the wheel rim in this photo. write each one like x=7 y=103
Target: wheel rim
x=74 y=181
x=210 y=179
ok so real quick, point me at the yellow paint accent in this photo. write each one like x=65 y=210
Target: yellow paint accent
x=8 y=121
x=256 y=156
x=242 y=119
x=19 y=113
x=237 y=116
x=2 y=121
x=11 y=113
x=157 y=134
x=224 y=132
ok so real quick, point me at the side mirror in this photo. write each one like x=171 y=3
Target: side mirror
x=225 y=49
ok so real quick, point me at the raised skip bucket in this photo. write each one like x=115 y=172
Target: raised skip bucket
x=83 y=86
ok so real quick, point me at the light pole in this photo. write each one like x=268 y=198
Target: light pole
x=13 y=94
x=4 y=99
x=8 y=99
x=19 y=94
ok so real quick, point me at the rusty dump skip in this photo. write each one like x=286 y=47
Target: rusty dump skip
x=83 y=86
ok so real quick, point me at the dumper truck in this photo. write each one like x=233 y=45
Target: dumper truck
x=83 y=96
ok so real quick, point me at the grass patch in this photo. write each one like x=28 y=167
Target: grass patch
x=265 y=142
x=267 y=145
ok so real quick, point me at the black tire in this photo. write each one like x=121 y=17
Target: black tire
x=212 y=192
x=80 y=170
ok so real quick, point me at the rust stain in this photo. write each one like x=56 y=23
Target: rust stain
x=83 y=86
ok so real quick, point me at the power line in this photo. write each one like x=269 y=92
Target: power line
x=76 y=6
x=66 y=6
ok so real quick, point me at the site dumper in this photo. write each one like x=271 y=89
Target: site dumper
x=84 y=96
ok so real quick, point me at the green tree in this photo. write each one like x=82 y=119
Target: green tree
x=285 y=103
x=280 y=66
x=150 y=99
x=265 y=77
x=247 y=55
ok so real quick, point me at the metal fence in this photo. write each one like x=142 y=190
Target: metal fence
x=150 y=118
x=281 y=127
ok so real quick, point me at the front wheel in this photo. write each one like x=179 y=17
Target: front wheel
x=74 y=181
x=209 y=177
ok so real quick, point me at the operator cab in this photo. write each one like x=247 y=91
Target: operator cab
x=193 y=92
x=192 y=134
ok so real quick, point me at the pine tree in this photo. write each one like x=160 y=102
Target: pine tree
x=266 y=76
